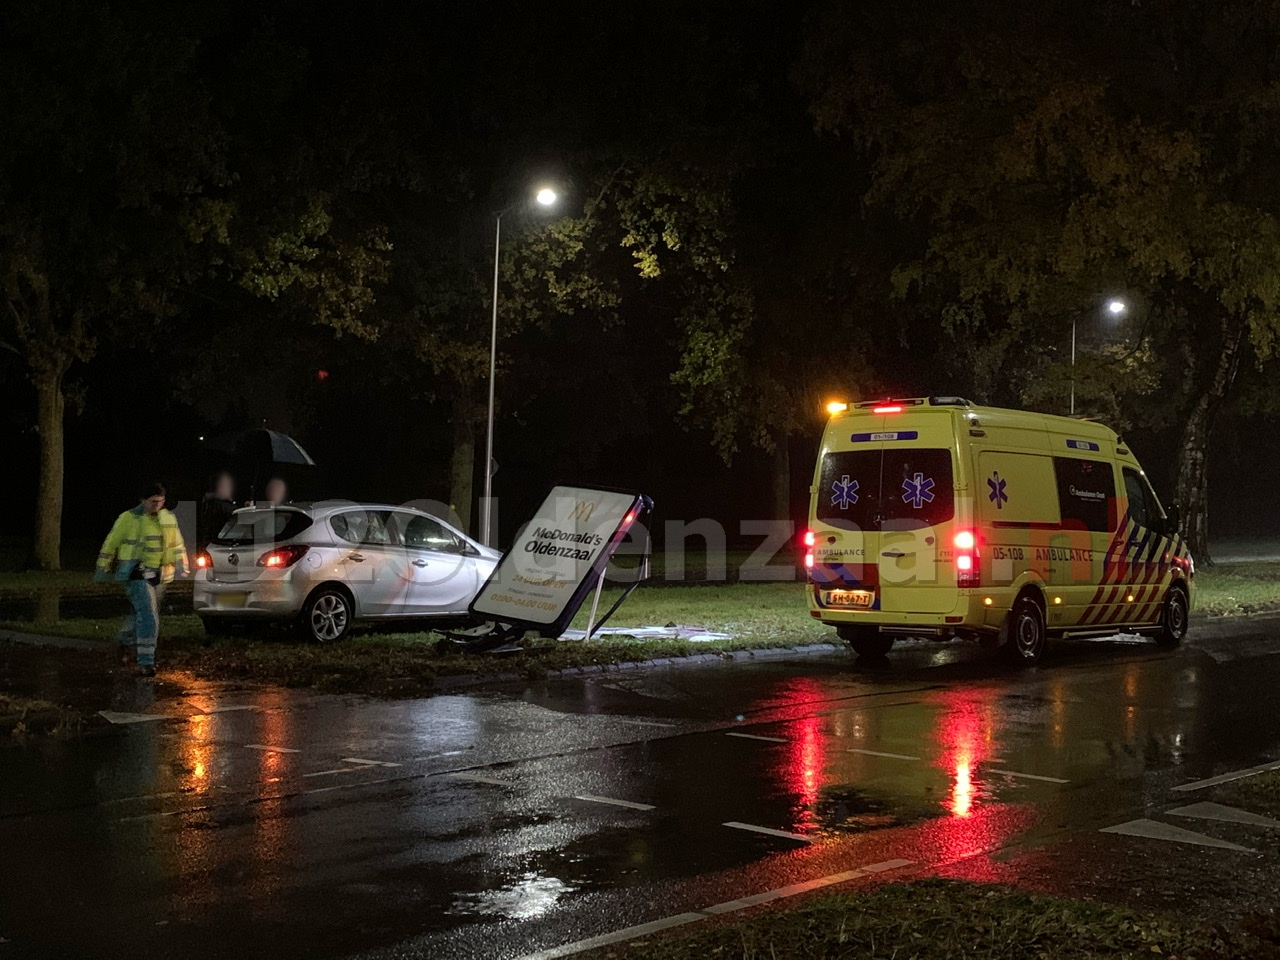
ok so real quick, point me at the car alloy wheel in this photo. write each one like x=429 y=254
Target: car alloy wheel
x=329 y=616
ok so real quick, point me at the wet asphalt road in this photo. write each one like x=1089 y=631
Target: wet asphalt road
x=247 y=823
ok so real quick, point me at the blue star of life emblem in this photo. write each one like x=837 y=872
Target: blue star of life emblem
x=918 y=490
x=845 y=492
x=997 y=495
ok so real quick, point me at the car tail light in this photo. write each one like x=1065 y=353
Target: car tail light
x=283 y=557
x=967 y=566
x=888 y=408
x=809 y=539
x=203 y=561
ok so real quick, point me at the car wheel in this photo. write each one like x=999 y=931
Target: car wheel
x=866 y=641
x=1027 y=639
x=327 y=615
x=1174 y=619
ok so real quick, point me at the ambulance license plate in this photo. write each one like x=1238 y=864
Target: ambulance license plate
x=862 y=599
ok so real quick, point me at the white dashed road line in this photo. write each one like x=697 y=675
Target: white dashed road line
x=877 y=753
x=479 y=778
x=1228 y=777
x=368 y=763
x=1024 y=776
x=643 y=723
x=630 y=805
x=265 y=748
x=325 y=773
x=1155 y=830
x=1216 y=811
x=753 y=736
x=680 y=919
x=768 y=831
x=116 y=716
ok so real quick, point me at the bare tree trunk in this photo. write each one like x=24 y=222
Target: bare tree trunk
x=782 y=480
x=50 y=409
x=1193 y=451
x=462 y=466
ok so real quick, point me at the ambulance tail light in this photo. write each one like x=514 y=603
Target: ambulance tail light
x=967 y=565
x=888 y=408
x=808 y=540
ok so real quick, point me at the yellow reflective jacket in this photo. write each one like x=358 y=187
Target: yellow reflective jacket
x=139 y=539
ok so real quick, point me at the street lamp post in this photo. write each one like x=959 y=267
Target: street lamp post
x=545 y=197
x=1116 y=307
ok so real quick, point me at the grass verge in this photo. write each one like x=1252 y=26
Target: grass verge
x=755 y=614
x=22 y=716
x=758 y=616
x=950 y=920
x=1228 y=589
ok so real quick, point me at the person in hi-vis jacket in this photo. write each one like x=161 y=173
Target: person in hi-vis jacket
x=144 y=550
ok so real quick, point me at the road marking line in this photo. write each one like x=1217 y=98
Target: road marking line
x=116 y=716
x=644 y=723
x=348 y=786
x=877 y=753
x=479 y=778
x=269 y=749
x=753 y=736
x=604 y=940
x=325 y=773
x=1228 y=777
x=246 y=706
x=769 y=831
x=680 y=919
x=368 y=763
x=1155 y=830
x=630 y=805
x=1025 y=776
x=1216 y=811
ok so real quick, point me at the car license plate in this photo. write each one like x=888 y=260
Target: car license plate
x=232 y=600
x=862 y=599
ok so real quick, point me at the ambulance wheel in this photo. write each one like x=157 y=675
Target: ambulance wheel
x=1174 y=619
x=1026 y=631
x=866 y=641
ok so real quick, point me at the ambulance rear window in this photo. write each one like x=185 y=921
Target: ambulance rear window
x=897 y=487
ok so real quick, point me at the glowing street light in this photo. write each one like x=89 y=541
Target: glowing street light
x=1115 y=308
x=546 y=198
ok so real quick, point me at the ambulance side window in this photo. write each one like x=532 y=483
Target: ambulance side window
x=1086 y=493
x=1143 y=508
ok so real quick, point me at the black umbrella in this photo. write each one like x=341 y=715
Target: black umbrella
x=261 y=447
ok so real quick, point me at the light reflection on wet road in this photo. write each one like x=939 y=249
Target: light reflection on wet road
x=273 y=823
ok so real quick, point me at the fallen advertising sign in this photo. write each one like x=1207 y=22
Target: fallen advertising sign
x=559 y=558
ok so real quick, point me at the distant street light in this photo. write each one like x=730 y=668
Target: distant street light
x=546 y=197
x=1116 y=308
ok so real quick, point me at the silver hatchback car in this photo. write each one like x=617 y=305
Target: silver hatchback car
x=329 y=565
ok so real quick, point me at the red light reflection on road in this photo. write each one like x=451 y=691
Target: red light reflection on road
x=806 y=755
x=965 y=733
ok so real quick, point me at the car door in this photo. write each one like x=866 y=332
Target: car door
x=442 y=572
x=372 y=562
x=1146 y=555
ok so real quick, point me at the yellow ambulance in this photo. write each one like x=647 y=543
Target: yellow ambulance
x=936 y=518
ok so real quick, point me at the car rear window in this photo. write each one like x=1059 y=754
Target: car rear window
x=262 y=526
x=897 y=487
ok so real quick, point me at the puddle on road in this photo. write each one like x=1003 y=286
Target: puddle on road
x=531 y=895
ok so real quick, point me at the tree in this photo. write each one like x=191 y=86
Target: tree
x=108 y=147
x=1047 y=155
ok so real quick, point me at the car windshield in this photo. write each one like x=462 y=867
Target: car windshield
x=262 y=526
